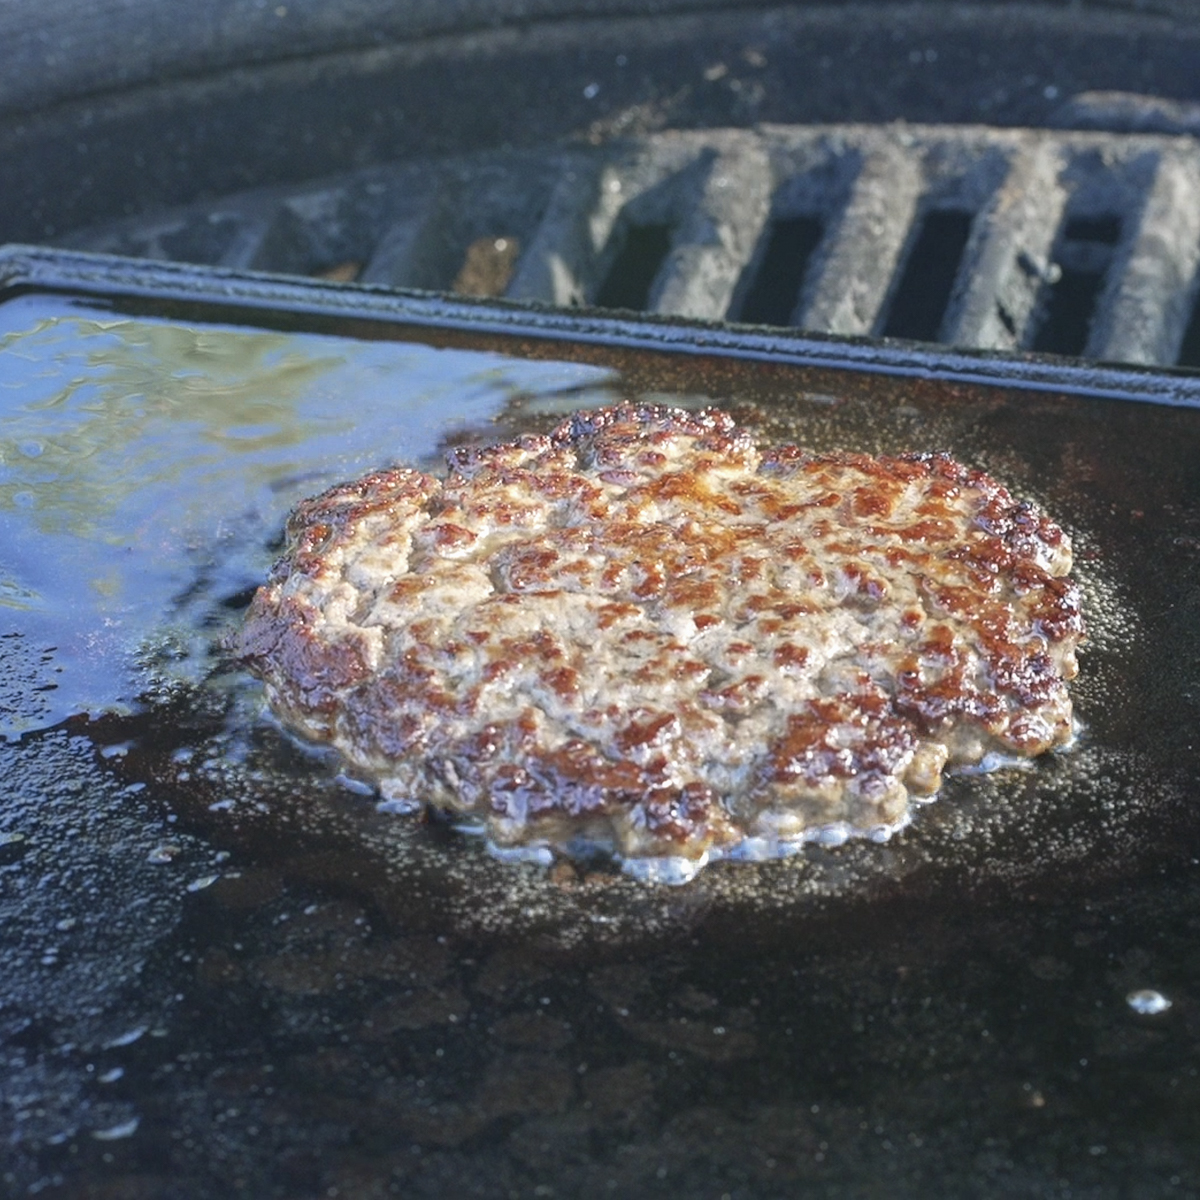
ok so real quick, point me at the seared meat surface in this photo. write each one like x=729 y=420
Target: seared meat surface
x=642 y=630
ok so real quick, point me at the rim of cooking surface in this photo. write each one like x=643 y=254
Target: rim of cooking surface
x=30 y=268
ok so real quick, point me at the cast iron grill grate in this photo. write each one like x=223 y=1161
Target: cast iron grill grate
x=1075 y=243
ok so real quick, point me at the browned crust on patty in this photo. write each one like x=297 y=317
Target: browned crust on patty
x=641 y=630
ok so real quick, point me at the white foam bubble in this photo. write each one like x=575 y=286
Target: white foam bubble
x=539 y=855
x=1147 y=1002
x=670 y=869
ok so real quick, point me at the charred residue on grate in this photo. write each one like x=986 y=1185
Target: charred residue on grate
x=487 y=267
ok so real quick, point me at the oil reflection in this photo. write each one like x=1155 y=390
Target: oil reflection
x=146 y=465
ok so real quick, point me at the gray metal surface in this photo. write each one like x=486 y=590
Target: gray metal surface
x=566 y=214
x=56 y=51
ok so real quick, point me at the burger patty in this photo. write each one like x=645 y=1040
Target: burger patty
x=645 y=632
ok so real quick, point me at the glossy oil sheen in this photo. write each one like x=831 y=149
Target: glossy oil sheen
x=145 y=465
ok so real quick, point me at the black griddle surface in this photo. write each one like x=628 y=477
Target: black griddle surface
x=226 y=971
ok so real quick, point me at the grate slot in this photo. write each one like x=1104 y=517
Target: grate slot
x=1189 y=352
x=1104 y=230
x=775 y=289
x=923 y=293
x=1081 y=262
x=638 y=262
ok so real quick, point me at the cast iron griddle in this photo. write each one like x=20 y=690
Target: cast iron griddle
x=227 y=971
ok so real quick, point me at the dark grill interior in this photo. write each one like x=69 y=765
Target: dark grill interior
x=636 y=266
x=314 y=163
x=922 y=295
x=1079 y=274
x=778 y=275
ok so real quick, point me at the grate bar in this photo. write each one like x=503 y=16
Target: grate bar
x=716 y=239
x=395 y=259
x=555 y=266
x=1008 y=260
x=402 y=254
x=246 y=245
x=862 y=251
x=1145 y=315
